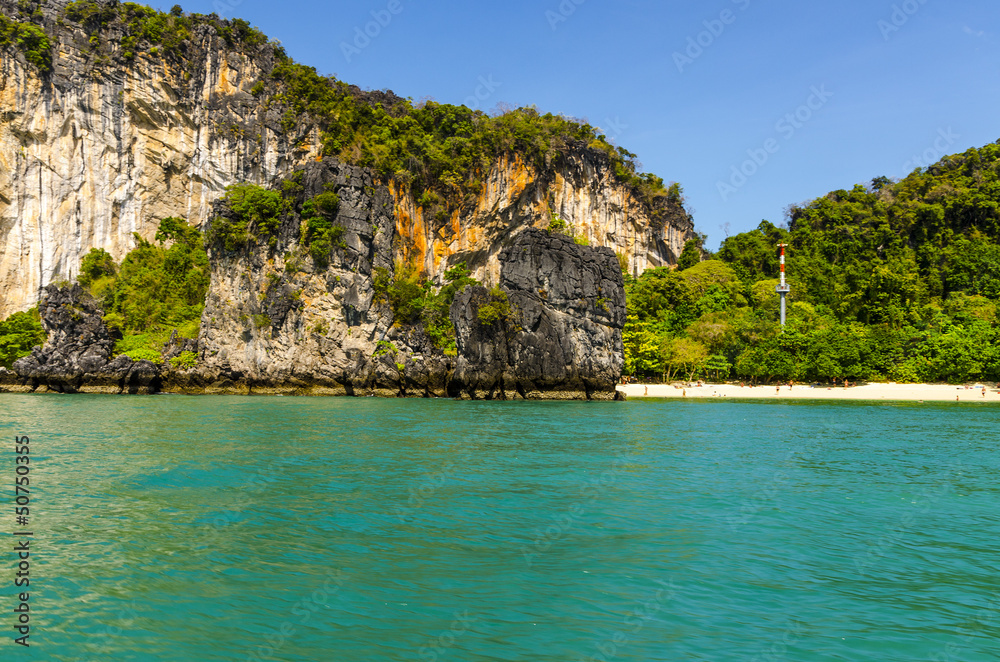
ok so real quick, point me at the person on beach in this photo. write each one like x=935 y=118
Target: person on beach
x=777 y=390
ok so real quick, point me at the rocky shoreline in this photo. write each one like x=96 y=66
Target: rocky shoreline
x=561 y=340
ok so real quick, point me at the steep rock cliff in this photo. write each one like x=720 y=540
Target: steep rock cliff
x=278 y=322
x=109 y=141
x=104 y=146
x=583 y=191
x=563 y=334
x=281 y=318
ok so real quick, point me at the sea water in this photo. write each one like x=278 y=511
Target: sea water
x=224 y=528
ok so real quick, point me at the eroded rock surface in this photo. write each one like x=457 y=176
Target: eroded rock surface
x=563 y=336
x=106 y=145
x=77 y=356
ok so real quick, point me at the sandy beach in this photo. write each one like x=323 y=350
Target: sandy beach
x=899 y=392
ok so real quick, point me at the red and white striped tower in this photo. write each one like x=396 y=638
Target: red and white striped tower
x=783 y=289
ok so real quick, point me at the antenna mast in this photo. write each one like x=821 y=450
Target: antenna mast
x=783 y=289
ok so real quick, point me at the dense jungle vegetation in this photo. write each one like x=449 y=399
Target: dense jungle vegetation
x=894 y=281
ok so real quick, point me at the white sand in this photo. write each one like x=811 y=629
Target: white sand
x=903 y=392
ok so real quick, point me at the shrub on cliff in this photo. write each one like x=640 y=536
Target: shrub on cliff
x=18 y=334
x=436 y=313
x=30 y=39
x=256 y=214
x=97 y=272
x=496 y=309
x=159 y=32
x=413 y=300
x=321 y=233
x=440 y=148
x=159 y=288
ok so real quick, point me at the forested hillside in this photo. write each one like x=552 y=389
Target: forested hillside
x=892 y=281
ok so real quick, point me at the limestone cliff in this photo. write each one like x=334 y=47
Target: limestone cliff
x=110 y=141
x=281 y=319
x=276 y=321
x=583 y=192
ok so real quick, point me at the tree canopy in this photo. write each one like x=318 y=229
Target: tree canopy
x=890 y=281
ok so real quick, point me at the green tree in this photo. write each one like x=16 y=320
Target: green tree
x=19 y=333
x=683 y=354
x=692 y=253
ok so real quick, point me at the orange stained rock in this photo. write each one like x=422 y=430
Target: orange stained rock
x=440 y=253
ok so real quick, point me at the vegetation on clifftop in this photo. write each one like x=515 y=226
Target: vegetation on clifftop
x=441 y=151
x=147 y=30
x=28 y=35
x=890 y=281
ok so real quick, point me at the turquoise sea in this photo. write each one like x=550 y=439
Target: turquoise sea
x=176 y=528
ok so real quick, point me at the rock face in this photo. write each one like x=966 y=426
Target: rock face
x=103 y=147
x=275 y=322
x=108 y=142
x=106 y=145
x=582 y=190
x=562 y=337
x=77 y=356
x=279 y=321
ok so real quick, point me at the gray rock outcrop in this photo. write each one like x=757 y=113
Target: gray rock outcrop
x=556 y=327
x=280 y=320
x=77 y=356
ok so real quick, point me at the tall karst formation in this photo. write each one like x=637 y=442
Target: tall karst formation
x=114 y=116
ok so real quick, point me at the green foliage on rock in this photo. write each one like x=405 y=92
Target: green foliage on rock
x=691 y=255
x=894 y=281
x=157 y=285
x=256 y=214
x=157 y=288
x=497 y=309
x=184 y=361
x=18 y=334
x=414 y=301
x=142 y=346
x=96 y=264
x=322 y=234
x=30 y=39
x=440 y=149
x=153 y=31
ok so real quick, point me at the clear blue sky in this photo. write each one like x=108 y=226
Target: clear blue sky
x=895 y=80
